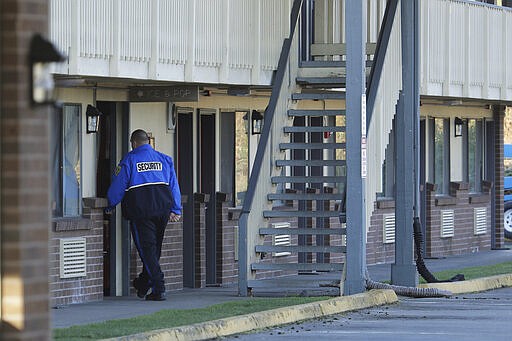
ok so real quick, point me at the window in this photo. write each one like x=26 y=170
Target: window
x=475 y=154
x=66 y=167
x=441 y=135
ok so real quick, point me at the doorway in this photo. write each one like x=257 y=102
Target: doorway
x=207 y=177
x=184 y=171
x=113 y=128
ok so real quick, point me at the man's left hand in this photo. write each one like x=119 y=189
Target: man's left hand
x=173 y=217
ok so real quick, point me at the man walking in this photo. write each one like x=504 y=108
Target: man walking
x=145 y=183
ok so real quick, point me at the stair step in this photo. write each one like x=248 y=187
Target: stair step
x=301 y=146
x=305 y=196
x=295 y=266
x=322 y=81
x=297 y=249
x=319 y=96
x=301 y=214
x=307 y=179
x=302 y=113
x=314 y=129
x=310 y=163
x=329 y=63
x=323 y=63
x=307 y=231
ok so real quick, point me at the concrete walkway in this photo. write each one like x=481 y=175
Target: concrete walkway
x=125 y=307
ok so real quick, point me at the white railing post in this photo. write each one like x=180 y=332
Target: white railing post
x=190 y=60
x=74 y=51
x=255 y=74
x=224 y=66
x=155 y=39
x=116 y=38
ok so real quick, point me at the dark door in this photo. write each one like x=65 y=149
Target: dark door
x=207 y=186
x=227 y=153
x=185 y=169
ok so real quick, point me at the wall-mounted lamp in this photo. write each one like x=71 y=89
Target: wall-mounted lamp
x=93 y=119
x=458 y=126
x=42 y=54
x=257 y=122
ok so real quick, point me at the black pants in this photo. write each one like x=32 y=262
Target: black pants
x=148 y=235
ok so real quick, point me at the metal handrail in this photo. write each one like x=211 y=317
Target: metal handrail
x=260 y=152
x=269 y=112
x=378 y=61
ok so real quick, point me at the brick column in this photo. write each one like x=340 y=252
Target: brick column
x=25 y=180
x=499 y=114
x=200 y=200
x=225 y=257
x=432 y=221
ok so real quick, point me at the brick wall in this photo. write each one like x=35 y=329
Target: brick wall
x=171 y=259
x=66 y=291
x=376 y=250
x=463 y=205
x=24 y=179
x=227 y=265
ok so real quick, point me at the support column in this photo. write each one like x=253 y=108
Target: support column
x=403 y=271
x=497 y=239
x=355 y=24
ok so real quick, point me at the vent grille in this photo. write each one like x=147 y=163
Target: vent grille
x=73 y=260
x=480 y=220
x=388 y=222
x=447 y=223
x=281 y=239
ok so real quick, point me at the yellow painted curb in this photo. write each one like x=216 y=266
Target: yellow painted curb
x=269 y=318
x=473 y=285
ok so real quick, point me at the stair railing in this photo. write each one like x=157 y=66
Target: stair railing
x=382 y=96
x=255 y=201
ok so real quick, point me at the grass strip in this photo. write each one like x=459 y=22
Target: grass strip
x=475 y=272
x=173 y=318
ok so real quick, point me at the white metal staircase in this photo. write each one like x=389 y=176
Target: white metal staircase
x=309 y=149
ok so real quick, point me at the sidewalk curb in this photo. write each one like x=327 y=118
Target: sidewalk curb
x=473 y=285
x=269 y=318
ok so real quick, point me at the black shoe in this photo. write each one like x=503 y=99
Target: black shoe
x=156 y=297
x=142 y=288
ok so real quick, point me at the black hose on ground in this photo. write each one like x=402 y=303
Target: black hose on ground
x=420 y=264
x=399 y=290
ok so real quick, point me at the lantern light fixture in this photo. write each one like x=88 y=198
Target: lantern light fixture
x=458 y=126
x=93 y=119
x=256 y=122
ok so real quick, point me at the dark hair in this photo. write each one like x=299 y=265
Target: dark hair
x=139 y=136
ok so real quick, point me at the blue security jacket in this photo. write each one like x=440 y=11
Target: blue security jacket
x=145 y=183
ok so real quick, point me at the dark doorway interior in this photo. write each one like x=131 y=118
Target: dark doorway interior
x=185 y=169
x=106 y=164
x=207 y=186
x=227 y=154
x=107 y=161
